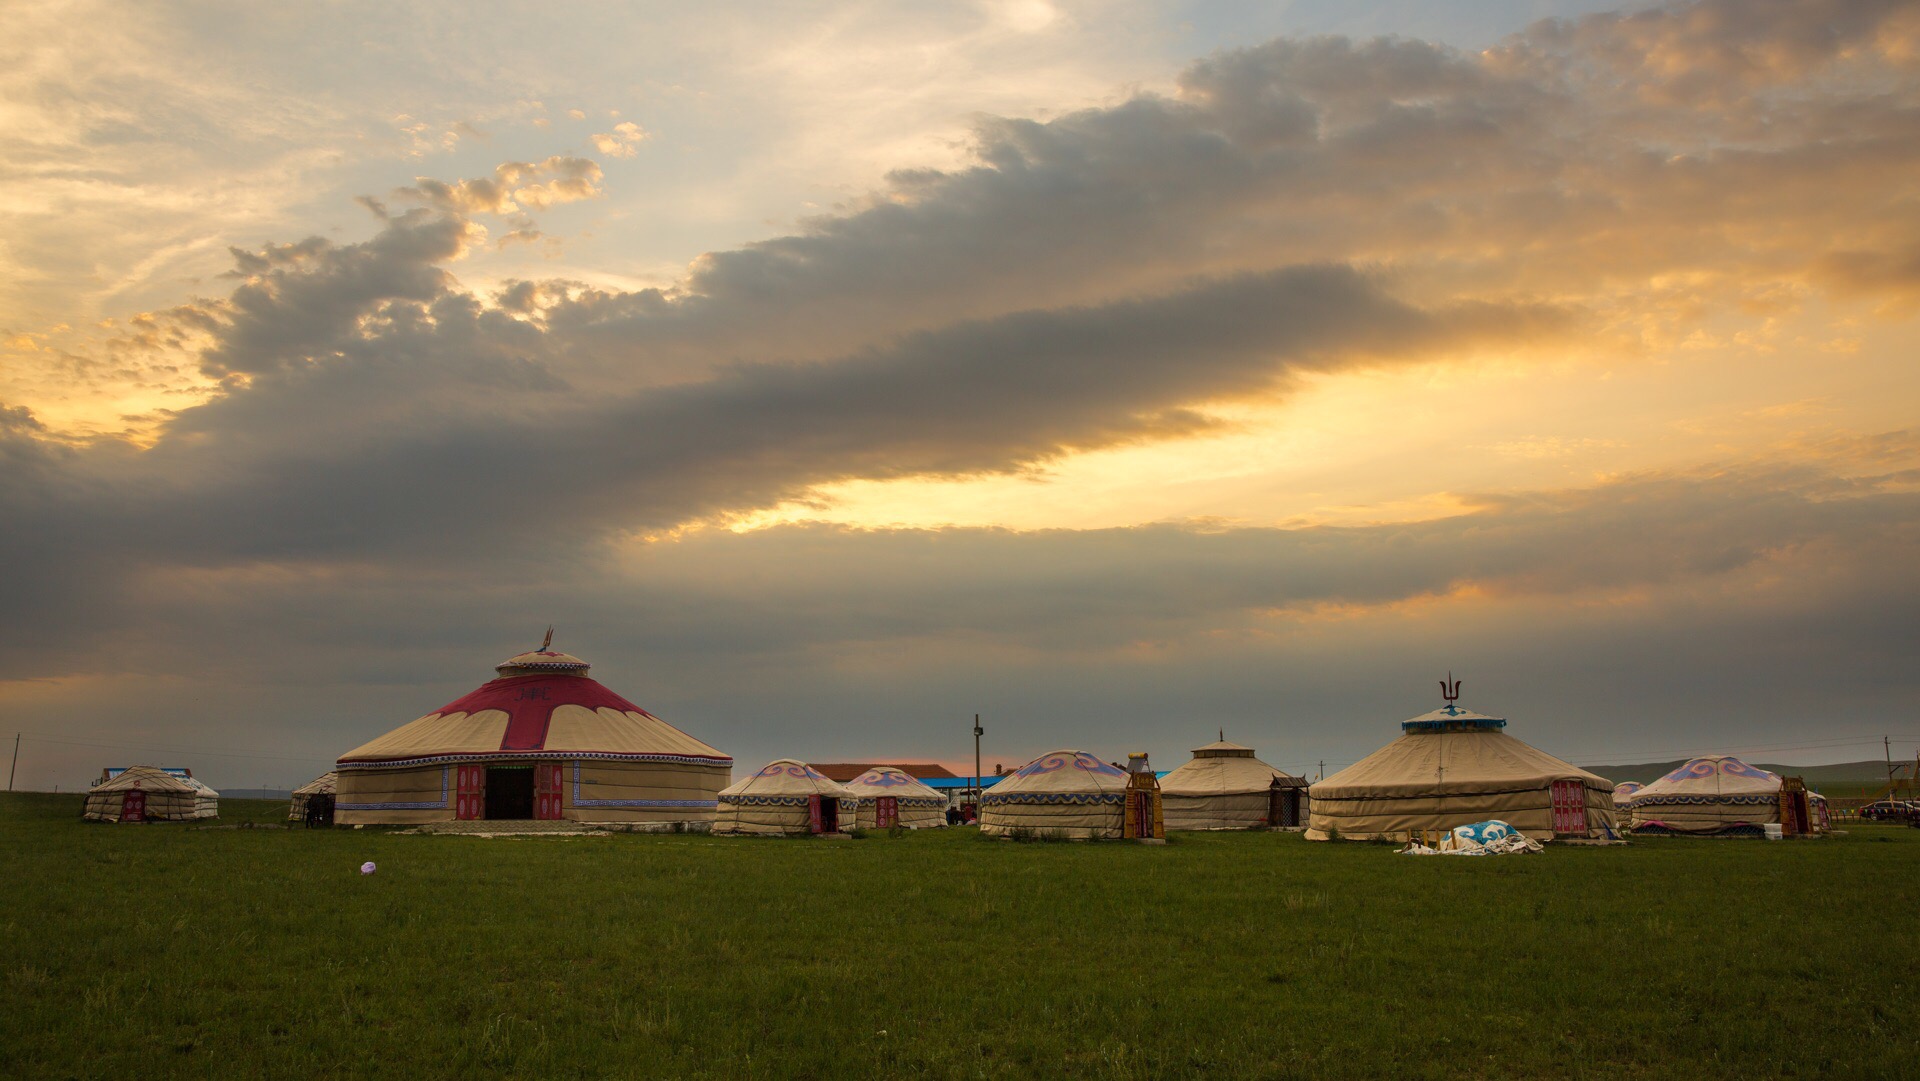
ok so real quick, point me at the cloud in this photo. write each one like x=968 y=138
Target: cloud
x=514 y=186
x=390 y=447
x=621 y=141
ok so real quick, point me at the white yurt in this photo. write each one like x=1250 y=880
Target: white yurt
x=1451 y=767
x=1719 y=795
x=1068 y=793
x=785 y=797
x=913 y=805
x=1623 y=795
x=542 y=741
x=150 y=794
x=1224 y=787
x=322 y=785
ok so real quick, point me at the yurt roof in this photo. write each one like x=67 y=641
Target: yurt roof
x=1214 y=774
x=319 y=786
x=147 y=779
x=786 y=777
x=1472 y=758
x=539 y=712
x=1711 y=777
x=1626 y=788
x=1064 y=772
x=888 y=781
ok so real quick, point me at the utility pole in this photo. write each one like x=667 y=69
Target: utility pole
x=977 y=733
x=16 y=761
x=1322 y=775
x=1885 y=741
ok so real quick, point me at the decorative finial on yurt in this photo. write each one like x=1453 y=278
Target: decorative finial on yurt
x=1450 y=689
x=547 y=642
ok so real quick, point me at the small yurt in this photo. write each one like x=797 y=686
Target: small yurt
x=149 y=794
x=1451 y=767
x=885 y=796
x=1069 y=793
x=786 y=797
x=1224 y=787
x=1623 y=795
x=541 y=741
x=322 y=785
x=1719 y=795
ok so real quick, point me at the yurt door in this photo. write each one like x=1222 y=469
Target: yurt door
x=1570 y=808
x=546 y=790
x=133 y=806
x=470 y=798
x=816 y=813
x=886 y=812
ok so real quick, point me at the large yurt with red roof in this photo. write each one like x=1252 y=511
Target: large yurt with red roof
x=542 y=741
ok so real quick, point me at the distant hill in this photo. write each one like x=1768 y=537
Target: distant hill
x=1848 y=773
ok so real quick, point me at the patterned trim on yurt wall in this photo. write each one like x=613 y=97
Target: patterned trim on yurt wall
x=445 y=774
x=539 y=756
x=1373 y=797
x=1736 y=829
x=1694 y=801
x=663 y=804
x=901 y=801
x=1054 y=797
x=784 y=801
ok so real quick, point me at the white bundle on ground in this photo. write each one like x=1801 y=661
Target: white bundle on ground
x=1490 y=838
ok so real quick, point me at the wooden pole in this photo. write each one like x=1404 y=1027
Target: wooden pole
x=16 y=761
x=976 y=764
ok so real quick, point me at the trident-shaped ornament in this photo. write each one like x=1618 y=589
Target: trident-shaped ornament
x=1450 y=689
x=549 y=640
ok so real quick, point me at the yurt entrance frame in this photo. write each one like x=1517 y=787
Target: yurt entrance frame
x=886 y=812
x=823 y=814
x=133 y=806
x=1143 y=818
x=504 y=792
x=1570 y=808
x=1796 y=813
x=1283 y=805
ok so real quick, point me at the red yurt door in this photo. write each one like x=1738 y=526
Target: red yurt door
x=546 y=790
x=470 y=795
x=814 y=814
x=133 y=806
x=886 y=812
x=1570 y=808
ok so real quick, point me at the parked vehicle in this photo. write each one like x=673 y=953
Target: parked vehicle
x=1890 y=810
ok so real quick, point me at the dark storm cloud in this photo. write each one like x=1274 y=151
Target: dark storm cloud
x=397 y=466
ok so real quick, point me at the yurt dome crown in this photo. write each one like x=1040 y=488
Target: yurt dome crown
x=1451 y=718
x=542 y=662
x=1223 y=749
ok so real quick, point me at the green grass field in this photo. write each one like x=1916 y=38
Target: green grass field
x=169 y=950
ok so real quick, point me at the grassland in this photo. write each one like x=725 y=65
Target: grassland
x=164 y=951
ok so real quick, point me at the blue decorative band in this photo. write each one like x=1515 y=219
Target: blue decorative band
x=779 y=801
x=1658 y=800
x=1054 y=797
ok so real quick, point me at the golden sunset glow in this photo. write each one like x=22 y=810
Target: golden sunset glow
x=1120 y=371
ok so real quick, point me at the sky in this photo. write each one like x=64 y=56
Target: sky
x=830 y=373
